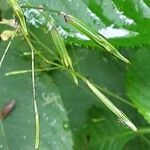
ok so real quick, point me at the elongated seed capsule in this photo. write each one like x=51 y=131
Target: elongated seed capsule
x=60 y=46
x=122 y=117
x=7 y=109
x=93 y=35
x=19 y=13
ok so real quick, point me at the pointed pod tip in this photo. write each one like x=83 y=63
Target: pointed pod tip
x=76 y=82
x=75 y=79
x=130 y=125
x=122 y=58
x=133 y=127
x=127 y=61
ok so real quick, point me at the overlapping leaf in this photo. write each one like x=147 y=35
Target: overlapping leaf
x=122 y=21
x=98 y=134
x=18 y=129
x=125 y=23
x=138 y=81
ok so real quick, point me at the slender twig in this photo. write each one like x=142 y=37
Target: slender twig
x=28 y=71
x=44 y=46
x=7 y=48
x=115 y=96
x=37 y=135
x=19 y=14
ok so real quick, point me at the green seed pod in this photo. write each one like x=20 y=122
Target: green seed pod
x=60 y=46
x=101 y=41
x=58 y=41
x=122 y=117
x=19 y=14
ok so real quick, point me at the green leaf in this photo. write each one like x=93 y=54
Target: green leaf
x=122 y=117
x=97 y=67
x=106 y=73
x=98 y=134
x=121 y=22
x=78 y=24
x=18 y=129
x=138 y=81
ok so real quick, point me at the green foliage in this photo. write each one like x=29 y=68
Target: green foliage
x=70 y=116
x=124 y=20
x=138 y=81
x=18 y=129
x=110 y=137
